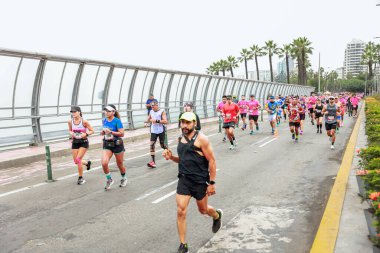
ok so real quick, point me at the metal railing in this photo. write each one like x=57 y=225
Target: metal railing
x=37 y=91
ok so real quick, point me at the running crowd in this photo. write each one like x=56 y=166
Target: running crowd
x=324 y=107
x=195 y=157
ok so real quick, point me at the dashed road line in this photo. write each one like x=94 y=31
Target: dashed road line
x=265 y=143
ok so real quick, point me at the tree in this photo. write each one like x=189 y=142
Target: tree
x=232 y=63
x=213 y=69
x=301 y=49
x=271 y=49
x=286 y=51
x=256 y=51
x=246 y=55
x=223 y=66
x=369 y=57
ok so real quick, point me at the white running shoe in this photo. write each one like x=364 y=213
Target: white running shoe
x=332 y=147
x=232 y=147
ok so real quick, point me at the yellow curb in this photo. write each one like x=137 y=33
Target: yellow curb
x=325 y=239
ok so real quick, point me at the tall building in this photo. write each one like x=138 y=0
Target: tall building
x=353 y=58
x=264 y=75
x=340 y=72
x=281 y=66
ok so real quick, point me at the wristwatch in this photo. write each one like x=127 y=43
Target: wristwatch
x=211 y=182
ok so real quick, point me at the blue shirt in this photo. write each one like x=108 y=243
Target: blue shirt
x=113 y=125
x=148 y=102
x=272 y=107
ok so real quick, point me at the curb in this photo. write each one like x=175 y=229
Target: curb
x=327 y=233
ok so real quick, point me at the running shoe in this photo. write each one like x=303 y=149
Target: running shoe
x=293 y=136
x=108 y=184
x=251 y=133
x=88 y=165
x=232 y=147
x=301 y=132
x=123 y=182
x=81 y=181
x=224 y=139
x=332 y=147
x=183 y=248
x=217 y=224
x=151 y=164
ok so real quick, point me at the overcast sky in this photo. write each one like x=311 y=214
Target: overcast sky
x=184 y=35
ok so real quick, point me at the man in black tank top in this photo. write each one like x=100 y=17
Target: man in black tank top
x=197 y=173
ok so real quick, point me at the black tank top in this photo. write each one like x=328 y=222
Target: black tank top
x=318 y=109
x=191 y=164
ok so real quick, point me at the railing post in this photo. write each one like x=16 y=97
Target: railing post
x=48 y=164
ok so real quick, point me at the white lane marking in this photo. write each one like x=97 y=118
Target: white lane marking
x=259 y=141
x=212 y=134
x=156 y=190
x=164 y=197
x=262 y=145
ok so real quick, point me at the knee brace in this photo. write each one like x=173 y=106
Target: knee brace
x=77 y=160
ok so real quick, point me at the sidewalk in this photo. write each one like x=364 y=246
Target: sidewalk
x=21 y=156
x=352 y=236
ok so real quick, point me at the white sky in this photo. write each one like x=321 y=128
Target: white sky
x=184 y=35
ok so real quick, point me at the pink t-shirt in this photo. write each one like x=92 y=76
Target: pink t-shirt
x=243 y=106
x=312 y=102
x=354 y=101
x=253 y=107
x=220 y=106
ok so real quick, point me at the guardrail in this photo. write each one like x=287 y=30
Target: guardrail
x=37 y=91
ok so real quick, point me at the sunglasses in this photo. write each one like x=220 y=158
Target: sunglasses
x=331 y=98
x=73 y=111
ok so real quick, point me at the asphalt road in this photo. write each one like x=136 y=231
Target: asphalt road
x=272 y=191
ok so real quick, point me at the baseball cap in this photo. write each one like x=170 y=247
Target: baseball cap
x=110 y=108
x=188 y=116
x=75 y=109
x=271 y=97
x=331 y=97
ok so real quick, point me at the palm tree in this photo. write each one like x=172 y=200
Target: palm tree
x=223 y=65
x=286 y=51
x=213 y=69
x=245 y=56
x=368 y=57
x=257 y=51
x=301 y=49
x=232 y=63
x=271 y=49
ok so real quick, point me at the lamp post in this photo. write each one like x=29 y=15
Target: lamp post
x=319 y=72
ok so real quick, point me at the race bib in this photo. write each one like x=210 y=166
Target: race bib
x=319 y=111
x=330 y=118
x=77 y=135
x=228 y=116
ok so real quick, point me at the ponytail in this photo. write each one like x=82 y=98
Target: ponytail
x=117 y=114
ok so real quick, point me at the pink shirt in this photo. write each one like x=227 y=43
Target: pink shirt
x=220 y=106
x=312 y=102
x=243 y=106
x=253 y=107
x=354 y=101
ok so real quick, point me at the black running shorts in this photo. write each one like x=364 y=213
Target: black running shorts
x=302 y=116
x=187 y=187
x=295 y=124
x=79 y=145
x=311 y=110
x=243 y=115
x=253 y=117
x=330 y=126
x=229 y=124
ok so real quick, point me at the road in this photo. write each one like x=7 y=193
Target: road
x=272 y=191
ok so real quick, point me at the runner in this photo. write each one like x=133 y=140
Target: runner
x=156 y=119
x=243 y=107
x=302 y=114
x=219 y=112
x=312 y=102
x=285 y=107
x=343 y=103
x=280 y=103
x=330 y=111
x=294 y=118
x=272 y=112
x=230 y=114
x=355 y=104
x=338 y=116
x=113 y=144
x=349 y=106
x=236 y=101
x=318 y=115
x=197 y=175
x=79 y=130
x=253 y=109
